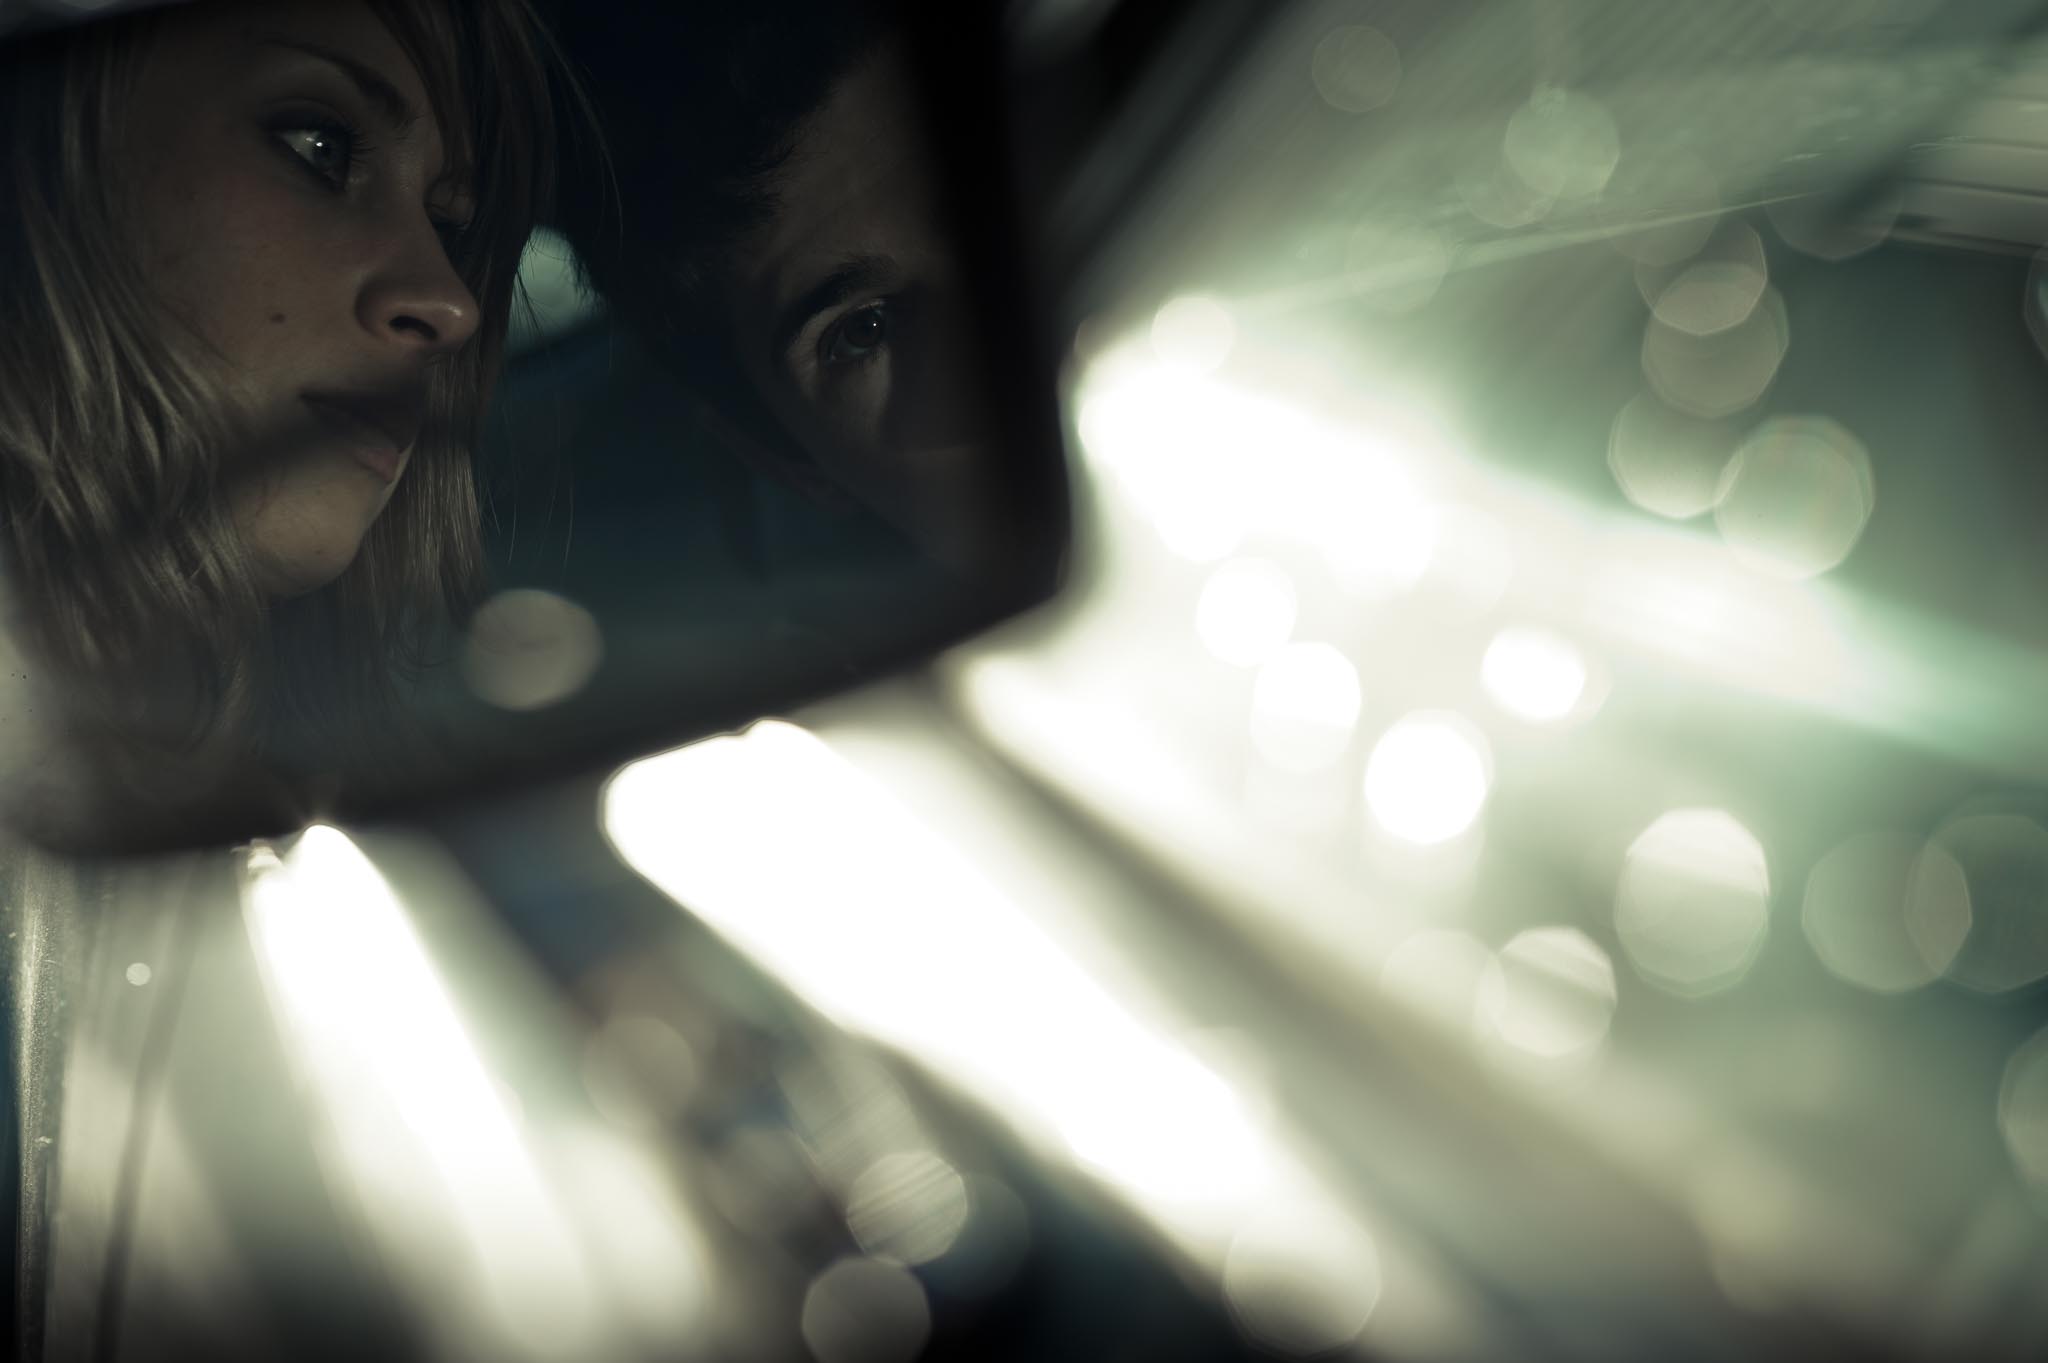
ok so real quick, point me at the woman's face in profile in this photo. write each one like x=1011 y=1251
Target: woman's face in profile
x=293 y=203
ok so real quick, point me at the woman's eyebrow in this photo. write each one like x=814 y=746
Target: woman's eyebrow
x=855 y=274
x=396 y=109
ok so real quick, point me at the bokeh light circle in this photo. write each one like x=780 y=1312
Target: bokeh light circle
x=908 y=1207
x=1356 y=68
x=1720 y=374
x=1668 y=462
x=2004 y=859
x=1428 y=777
x=2023 y=1109
x=1693 y=901
x=1710 y=296
x=1301 y=1278
x=1886 y=911
x=527 y=649
x=1533 y=673
x=639 y=1071
x=1563 y=143
x=1822 y=227
x=1796 y=496
x=1730 y=256
x=865 y=1311
x=1557 y=994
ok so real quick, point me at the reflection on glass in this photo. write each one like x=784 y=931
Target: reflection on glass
x=780 y=237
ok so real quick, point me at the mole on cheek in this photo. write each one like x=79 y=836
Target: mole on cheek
x=276 y=318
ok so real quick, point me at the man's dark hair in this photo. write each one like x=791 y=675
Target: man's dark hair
x=700 y=105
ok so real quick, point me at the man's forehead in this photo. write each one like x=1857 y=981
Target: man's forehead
x=866 y=116
x=857 y=181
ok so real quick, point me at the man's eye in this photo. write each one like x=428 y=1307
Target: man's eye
x=858 y=336
x=330 y=152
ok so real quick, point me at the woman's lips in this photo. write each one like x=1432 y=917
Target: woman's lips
x=377 y=435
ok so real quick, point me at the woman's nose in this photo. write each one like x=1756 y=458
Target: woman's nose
x=418 y=302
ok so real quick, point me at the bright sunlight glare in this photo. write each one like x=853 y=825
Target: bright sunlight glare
x=407 y=1094
x=891 y=931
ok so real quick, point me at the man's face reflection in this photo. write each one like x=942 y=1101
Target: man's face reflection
x=848 y=310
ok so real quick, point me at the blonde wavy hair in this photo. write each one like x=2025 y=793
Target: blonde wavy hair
x=126 y=581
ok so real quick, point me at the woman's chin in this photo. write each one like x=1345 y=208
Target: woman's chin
x=282 y=576
x=302 y=528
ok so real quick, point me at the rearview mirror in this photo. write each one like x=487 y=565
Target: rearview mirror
x=802 y=432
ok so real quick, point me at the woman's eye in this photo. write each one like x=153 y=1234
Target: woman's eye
x=329 y=152
x=858 y=336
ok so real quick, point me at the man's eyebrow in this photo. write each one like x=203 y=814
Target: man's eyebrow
x=395 y=107
x=855 y=274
